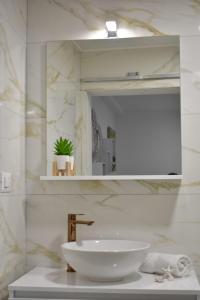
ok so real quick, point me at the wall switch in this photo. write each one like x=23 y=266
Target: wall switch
x=5 y=182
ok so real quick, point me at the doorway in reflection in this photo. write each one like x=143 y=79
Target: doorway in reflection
x=136 y=134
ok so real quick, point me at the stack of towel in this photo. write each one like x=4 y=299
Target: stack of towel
x=180 y=265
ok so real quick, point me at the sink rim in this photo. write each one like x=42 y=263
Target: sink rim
x=71 y=246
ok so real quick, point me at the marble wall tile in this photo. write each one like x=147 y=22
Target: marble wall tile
x=12 y=139
x=12 y=152
x=35 y=161
x=152 y=60
x=124 y=216
x=63 y=83
x=190 y=149
x=190 y=74
x=12 y=96
x=190 y=94
x=12 y=240
x=86 y=19
x=12 y=231
x=36 y=81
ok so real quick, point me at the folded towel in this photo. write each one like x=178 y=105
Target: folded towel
x=180 y=265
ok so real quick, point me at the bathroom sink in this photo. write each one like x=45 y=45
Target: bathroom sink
x=105 y=260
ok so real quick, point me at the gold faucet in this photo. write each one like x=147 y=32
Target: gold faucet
x=72 y=221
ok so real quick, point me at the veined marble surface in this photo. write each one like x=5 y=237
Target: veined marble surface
x=166 y=221
x=167 y=214
x=12 y=139
x=63 y=83
x=86 y=19
x=118 y=62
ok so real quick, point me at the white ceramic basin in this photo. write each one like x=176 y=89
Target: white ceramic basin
x=105 y=260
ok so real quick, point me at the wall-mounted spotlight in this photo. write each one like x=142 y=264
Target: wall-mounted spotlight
x=111 y=27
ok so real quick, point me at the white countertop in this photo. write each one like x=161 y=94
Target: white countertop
x=57 y=280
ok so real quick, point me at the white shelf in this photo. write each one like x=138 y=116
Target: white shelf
x=113 y=177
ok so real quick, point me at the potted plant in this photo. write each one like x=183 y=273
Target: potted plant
x=63 y=149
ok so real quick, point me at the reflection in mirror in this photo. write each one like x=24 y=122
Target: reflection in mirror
x=118 y=101
x=136 y=134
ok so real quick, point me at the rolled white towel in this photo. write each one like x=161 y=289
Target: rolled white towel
x=180 y=265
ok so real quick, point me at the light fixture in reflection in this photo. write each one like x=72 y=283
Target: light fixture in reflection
x=111 y=27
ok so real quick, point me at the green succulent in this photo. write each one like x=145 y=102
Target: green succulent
x=63 y=146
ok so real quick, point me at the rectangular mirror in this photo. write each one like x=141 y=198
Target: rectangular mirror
x=118 y=102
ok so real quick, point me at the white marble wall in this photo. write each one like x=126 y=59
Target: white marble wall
x=12 y=139
x=167 y=214
x=146 y=61
x=63 y=83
